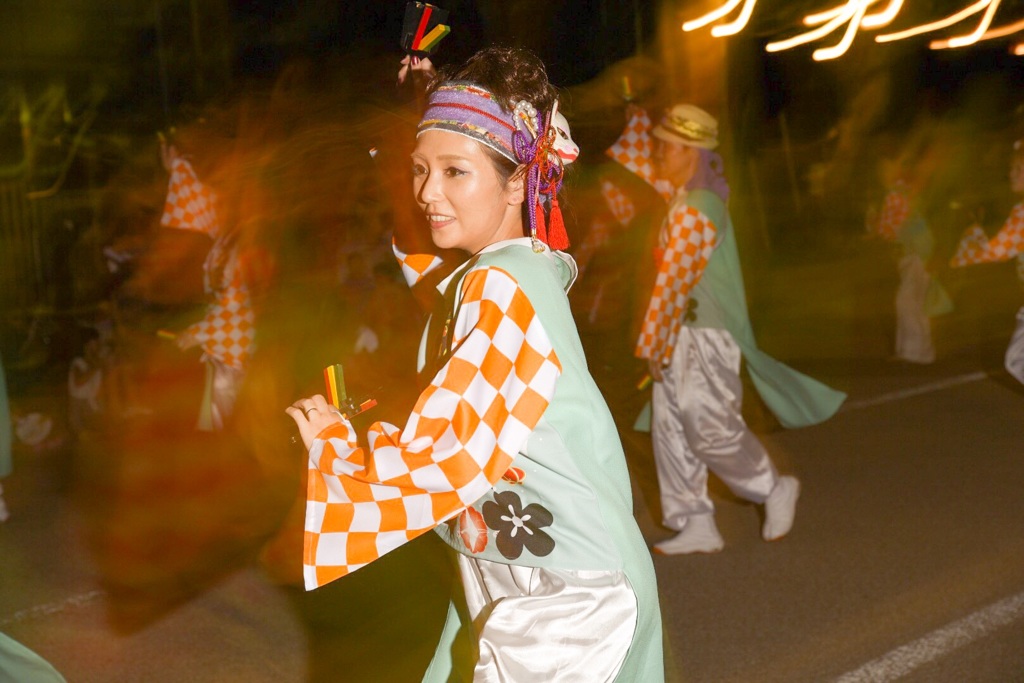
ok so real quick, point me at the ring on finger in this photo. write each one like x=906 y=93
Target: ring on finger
x=307 y=411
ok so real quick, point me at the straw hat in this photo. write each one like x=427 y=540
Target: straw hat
x=688 y=124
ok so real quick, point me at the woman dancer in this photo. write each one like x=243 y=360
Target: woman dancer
x=510 y=452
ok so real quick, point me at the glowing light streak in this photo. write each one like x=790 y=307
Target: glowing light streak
x=883 y=18
x=737 y=25
x=855 y=14
x=819 y=32
x=713 y=15
x=935 y=25
x=1003 y=31
x=822 y=17
x=970 y=38
x=843 y=45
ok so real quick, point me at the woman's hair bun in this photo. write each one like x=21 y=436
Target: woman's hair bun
x=512 y=74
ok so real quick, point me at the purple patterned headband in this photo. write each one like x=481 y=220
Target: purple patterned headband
x=467 y=109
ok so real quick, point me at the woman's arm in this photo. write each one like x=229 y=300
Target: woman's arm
x=635 y=150
x=227 y=331
x=463 y=434
x=974 y=247
x=190 y=204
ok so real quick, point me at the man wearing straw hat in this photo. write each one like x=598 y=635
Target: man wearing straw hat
x=694 y=335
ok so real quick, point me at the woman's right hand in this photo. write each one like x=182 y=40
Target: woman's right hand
x=168 y=154
x=313 y=415
x=411 y=65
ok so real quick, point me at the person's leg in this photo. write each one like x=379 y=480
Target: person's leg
x=1014 y=360
x=720 y=437
x=711 y=406
x=913 y=327
x=226 y=383
x=682 y=477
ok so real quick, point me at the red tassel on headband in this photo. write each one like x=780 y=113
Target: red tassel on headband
x=557 y=237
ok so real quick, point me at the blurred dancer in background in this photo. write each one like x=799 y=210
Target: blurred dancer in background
x=696 y=332
x=226 y=333
x=975 y=247
x=919 y=295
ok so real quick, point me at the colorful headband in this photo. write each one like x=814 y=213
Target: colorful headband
x=467 y=109
x=523 y=136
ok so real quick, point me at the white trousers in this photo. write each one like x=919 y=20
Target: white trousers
x=221 y=391
x=536 y=624
x=1015 y=351
x=697 y=424
x=913 y=326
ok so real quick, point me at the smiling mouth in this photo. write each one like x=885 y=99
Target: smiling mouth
x=439 y=221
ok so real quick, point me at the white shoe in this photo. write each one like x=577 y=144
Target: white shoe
x=780 y=508
x=699 y=535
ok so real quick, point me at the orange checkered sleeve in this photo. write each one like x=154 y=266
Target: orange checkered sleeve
x=463 y=434
x=635 y=150
x=190 y=205
x=895 y=212
x=688 y=243
x=228 y=330
x=415 y=266
x=597 y=237
x=618 y=209
x=975 y=247
x=618 y=203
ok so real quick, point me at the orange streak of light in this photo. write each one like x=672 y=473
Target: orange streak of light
x=883 y=18
x=979 y=33
x=935 y=25
x=737 y=25
x=819 y=32
x=713 y=15
x=843 y=45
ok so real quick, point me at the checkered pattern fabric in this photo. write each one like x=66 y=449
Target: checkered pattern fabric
x=463 y=434
x=634 y=150
x=415 y=266
x=227 y=332
x=688 y=239
x=618 y=203
x=597 y=237
x=618 y=209
x=190 y=205
x=895 y=212
x=975 y=247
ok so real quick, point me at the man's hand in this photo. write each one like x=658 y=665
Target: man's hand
x=185 y=340
x=654 y=367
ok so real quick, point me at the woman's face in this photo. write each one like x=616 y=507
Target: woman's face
x=466 y=203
